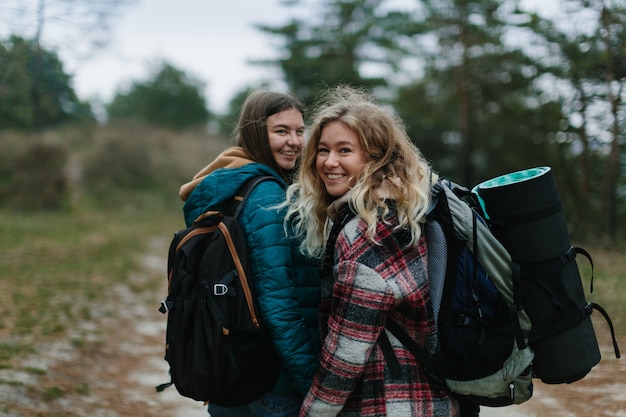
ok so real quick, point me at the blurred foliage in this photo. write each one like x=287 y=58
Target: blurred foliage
x=484 y=87
x=170 y=98
x=120 y=165
x=134 y=165
x=35 y=92
x=32 y=175
x=331 y=50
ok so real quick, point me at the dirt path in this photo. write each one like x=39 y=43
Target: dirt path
x=601 y=393
x=136 y=365
x=114 y=375
x=113 y=372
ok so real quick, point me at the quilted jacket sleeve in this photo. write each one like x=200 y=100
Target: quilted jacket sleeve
x=274 y=270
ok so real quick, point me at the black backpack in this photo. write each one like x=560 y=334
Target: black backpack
x=483 y=357
x=524 y=211
x=508 y=299
x=215 y=343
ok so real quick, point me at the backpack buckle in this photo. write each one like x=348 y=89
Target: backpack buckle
x=166 y=306
x=462 y=320
x=220 y=289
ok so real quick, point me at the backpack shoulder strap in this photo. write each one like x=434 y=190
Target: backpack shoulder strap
x=236 y=204
x=421 y=354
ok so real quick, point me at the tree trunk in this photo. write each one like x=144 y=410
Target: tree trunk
x=462 y=88
x=609 y=202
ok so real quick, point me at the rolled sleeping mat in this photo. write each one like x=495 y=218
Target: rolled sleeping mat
x=524 y=211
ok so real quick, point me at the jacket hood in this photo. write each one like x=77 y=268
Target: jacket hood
x=234 y=157
x=211 y=190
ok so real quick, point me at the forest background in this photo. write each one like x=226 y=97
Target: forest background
x=483 y=86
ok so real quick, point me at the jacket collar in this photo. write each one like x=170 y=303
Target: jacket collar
x=233 y=157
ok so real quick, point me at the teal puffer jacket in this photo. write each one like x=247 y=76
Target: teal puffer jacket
x=286 y=282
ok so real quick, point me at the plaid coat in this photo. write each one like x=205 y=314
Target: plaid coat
x=366 y=285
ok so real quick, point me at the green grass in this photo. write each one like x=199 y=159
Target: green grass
x=57 y=269
x=53 y=393
x=10 y=350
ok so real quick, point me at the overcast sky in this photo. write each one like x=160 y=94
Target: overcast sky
x=211 y=40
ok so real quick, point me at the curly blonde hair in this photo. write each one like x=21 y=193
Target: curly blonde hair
x=394 y=165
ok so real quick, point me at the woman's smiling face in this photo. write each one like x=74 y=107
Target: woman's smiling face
x=286 y=136
x=340 y=158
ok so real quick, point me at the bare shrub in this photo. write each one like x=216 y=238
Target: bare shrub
x=130 y=163
x=33 y=176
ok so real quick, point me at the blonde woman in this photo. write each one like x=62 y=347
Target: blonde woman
x=359 y=201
